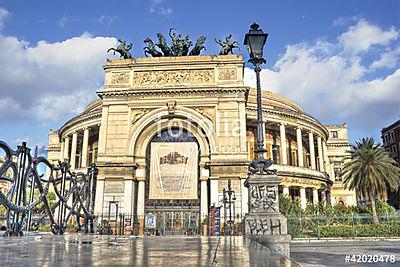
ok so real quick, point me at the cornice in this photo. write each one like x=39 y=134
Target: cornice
x=285 y=113
x=79 y=119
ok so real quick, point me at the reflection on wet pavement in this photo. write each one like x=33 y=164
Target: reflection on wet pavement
x=88 y=250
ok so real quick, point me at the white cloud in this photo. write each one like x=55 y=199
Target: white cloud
x=335 y=86
x=362 y=36
x=388 y=59
x=3 y=15
x=158 y=7
x=106 y=19
x=341 y=21
x=63 y=21
x=49 y=81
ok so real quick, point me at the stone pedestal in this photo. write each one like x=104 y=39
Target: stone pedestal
x=265 y=223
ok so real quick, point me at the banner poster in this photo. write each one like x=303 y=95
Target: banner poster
x=173 y=170
x=150 y=221
x=217 y=221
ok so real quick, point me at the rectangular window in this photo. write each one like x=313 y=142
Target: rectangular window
x=334 y=134
x=337 y=168
x=391 y=136
x=394 y=151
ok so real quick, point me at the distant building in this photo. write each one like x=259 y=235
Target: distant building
x=391 y=143
x=3 y=184
x=338 y=150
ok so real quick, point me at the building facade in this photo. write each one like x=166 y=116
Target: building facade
x=391 y=142
x=168 y=133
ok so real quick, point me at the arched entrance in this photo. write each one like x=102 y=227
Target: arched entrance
x=172 y=192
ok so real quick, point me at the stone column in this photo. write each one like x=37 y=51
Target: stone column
x=286 y=191
x=245 y=197
x=98 y=207
x=62 y=151
x=325 y=156
x=66 y=148
x=204 y=199
x=129 y=196
x=303 y=198
x=85 y=145
x=140 y=205
x=283 y=144
x=315 y=196
x=214 y=192
x=73 y=150
x=299 y=147
x=323 y=196
x=320 y=156
x=312 y=150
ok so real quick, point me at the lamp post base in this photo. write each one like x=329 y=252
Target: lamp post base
x=264 y=223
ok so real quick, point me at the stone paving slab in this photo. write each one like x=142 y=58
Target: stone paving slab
x=96 y=250
x=332 y=253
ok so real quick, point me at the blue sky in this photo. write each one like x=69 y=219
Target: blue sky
x=338 y=59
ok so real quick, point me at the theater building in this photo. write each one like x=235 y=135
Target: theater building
x=168 y=133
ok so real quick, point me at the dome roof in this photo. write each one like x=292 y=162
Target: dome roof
x=272 y=99
x=93 y=106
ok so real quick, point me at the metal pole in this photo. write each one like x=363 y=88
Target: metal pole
x=259 y=148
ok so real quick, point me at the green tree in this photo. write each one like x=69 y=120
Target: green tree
x=371 y=171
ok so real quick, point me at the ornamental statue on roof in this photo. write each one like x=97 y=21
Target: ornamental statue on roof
x=122 y=49
x=180 y=46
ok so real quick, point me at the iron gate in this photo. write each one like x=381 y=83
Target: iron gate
x=175 y=223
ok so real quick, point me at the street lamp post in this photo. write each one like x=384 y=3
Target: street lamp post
x=255 y=41
x=264 y=221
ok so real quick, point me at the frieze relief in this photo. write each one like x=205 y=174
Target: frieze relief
x=173 y=77
x=227 y=74
x=136 y=114
x=209 y=113
x=300 y=181
x=119 y=78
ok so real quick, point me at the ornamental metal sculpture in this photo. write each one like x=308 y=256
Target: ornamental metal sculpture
x=227 y=45
x=75 y=192
x=122 y=49
x=180 y=46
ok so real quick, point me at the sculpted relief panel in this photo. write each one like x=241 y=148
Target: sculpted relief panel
x=227 y=74
x=119 y=78
x=174 y=77
x=138 y=113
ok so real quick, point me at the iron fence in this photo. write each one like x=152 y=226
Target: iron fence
x=344 y=226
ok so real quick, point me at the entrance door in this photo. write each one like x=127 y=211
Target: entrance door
x=173 y=188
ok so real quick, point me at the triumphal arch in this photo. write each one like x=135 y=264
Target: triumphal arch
x=173 y=131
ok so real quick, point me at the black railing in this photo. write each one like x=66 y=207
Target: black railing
x=29 y=180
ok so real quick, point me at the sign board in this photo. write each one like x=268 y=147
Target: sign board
x=150 y=221
x=173 y=170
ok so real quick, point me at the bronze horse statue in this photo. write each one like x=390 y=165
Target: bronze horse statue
x=198 y=46
x=227 y=45
x=122 y=49
x=151 y=48
x=162 y=44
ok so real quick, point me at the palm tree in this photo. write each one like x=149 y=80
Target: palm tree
x=371 y=171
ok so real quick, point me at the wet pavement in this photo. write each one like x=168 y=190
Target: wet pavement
x=333 y=253
x=89 y=250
